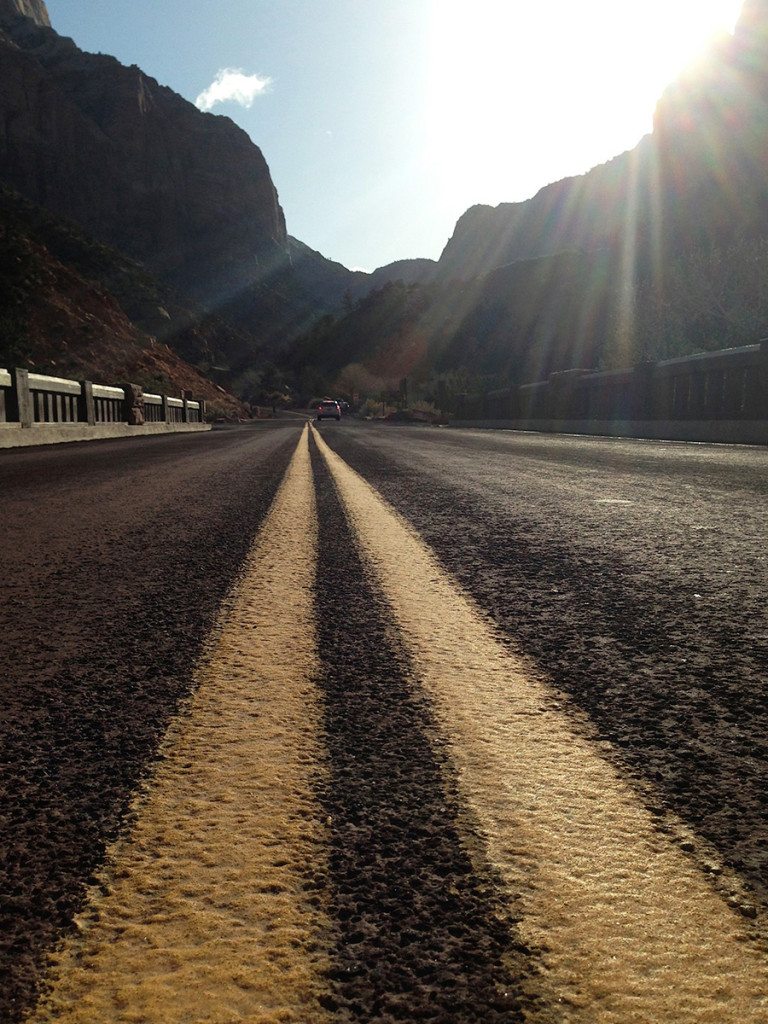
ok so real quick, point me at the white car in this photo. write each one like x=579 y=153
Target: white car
x=328 y=409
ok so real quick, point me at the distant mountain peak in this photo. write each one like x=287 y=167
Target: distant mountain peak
x=34 y=9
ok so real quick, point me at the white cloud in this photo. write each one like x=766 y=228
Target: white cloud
x=232 y=85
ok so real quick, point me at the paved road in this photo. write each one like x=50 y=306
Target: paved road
x=116 y=557
x=635 y=576
x=490 y=733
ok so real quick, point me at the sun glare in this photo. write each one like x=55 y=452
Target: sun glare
x=518 y=88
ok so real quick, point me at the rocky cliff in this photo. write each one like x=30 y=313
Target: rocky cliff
x=711 y=140
x=584 y=213
x=699 y=179
x=34 y=9
x=187 y=195
x=136 y=165
x=658 y=253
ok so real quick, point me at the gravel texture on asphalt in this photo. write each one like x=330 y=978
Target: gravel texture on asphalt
x=117 y=556
x=634 y=575
x=631 y=575
x=202 y=911
x=422 y=935
x=626 y=925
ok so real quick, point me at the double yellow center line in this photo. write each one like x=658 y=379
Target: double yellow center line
x=212 y=907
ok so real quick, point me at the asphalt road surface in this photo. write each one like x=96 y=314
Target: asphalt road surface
x=375 y=724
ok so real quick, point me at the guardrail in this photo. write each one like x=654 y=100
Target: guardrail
x=721 y=395
x=31 y=401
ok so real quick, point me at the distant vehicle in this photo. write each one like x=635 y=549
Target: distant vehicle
x=344 y=406
x=328 y=409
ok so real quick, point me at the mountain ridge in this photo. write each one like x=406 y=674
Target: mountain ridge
x=667 y=182
x=190 y=196
x=661 y=251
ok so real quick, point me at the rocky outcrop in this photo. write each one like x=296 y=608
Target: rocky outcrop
x=583 y=213
x=137 y=166
x=34 y=9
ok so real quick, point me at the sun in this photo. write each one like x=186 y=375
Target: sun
x=523 y=93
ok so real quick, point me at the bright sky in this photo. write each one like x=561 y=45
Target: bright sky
x=383 y=120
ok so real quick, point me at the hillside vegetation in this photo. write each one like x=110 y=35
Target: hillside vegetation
x=73 y=307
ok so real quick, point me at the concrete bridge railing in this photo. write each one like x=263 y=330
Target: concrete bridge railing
x=38 y=409
x=710 y=396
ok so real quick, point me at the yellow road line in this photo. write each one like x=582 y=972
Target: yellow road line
x=630 y=931
x=206 y=916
